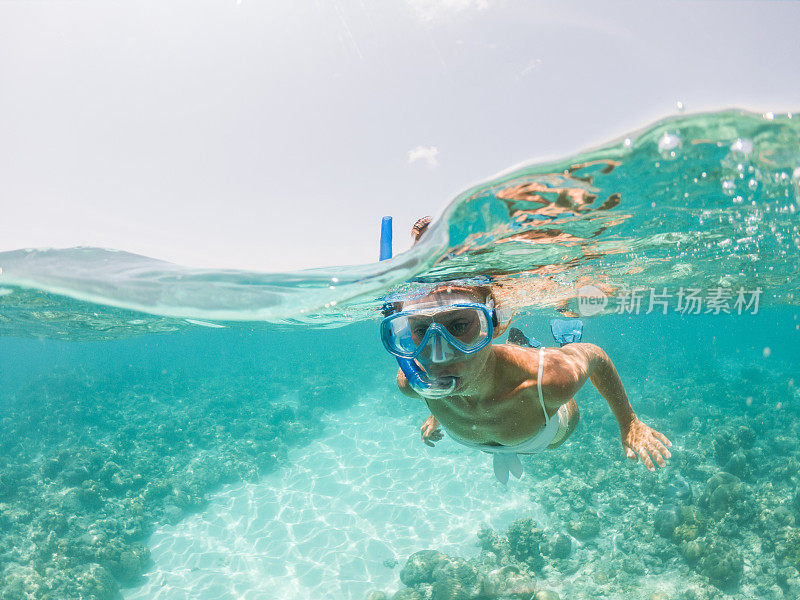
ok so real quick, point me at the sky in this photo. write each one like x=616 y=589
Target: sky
x=274 y=136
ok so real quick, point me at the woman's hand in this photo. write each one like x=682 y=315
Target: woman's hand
x=639 y=440
x=430 y=431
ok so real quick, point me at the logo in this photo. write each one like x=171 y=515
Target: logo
x=591 y=300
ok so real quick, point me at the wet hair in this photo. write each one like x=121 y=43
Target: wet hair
x=480 y=293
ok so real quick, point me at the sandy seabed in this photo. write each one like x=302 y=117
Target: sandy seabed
x=339 y=521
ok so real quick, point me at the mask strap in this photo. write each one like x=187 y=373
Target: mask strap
x=490 y=306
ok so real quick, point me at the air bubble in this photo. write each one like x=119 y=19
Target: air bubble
x=753 y=185
x=742 y=148
x=667 y=143
x=680 y=106
x=627 y=143
x=728 y=186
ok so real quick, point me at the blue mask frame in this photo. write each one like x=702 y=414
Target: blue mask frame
x=434 y=329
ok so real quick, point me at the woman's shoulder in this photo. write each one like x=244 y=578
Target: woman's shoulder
x=522 y=364
x=523 y=359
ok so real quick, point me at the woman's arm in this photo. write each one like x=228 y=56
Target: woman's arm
x=430 y=428
x=405 y=387
x=568 y=369
x=574 y=364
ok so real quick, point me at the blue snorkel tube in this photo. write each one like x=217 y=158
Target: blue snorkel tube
x=417 y=378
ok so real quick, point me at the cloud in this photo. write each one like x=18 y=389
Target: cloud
x=431 y=10
x=532 y=64
x=424 y=153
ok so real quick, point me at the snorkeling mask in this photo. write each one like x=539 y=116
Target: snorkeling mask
x=438 y=332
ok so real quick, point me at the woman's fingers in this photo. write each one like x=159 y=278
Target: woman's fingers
x=430 y=434
x=662 y=449
x=646 y=459
x=662 y=437
x=656 y=453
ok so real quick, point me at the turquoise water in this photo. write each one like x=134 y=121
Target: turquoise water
x=177 y=433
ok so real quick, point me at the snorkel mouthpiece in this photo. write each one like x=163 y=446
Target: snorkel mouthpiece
x=424 y=385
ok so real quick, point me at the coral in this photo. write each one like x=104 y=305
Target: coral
x=586 y=526
x=95 y=582
x=408 y=594
x=737 y=464
x=716 y=559
x=744 y=437
x=788 y=580
x=722 y=564
x=692 y=525
x=457 y=579
x=560 y=546
x=724 y=445
x=432 y=575
x=420 y=566
x=87 y=469
x=723 y=493
x=526 y=541
x=491 y=541
x=790 y=551
x=666 y=520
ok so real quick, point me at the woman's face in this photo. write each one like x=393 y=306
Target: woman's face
x=439 y=358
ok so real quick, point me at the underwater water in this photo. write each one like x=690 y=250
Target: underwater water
x=177 y=433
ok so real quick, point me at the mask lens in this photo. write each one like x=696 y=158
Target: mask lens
x=418 y=327
x=401 y=337
x=463 y=324
x=465 y=328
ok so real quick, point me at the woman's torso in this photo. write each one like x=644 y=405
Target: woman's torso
x=511 y=415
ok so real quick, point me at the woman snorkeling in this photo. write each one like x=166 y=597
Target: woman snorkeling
x=505 y=399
